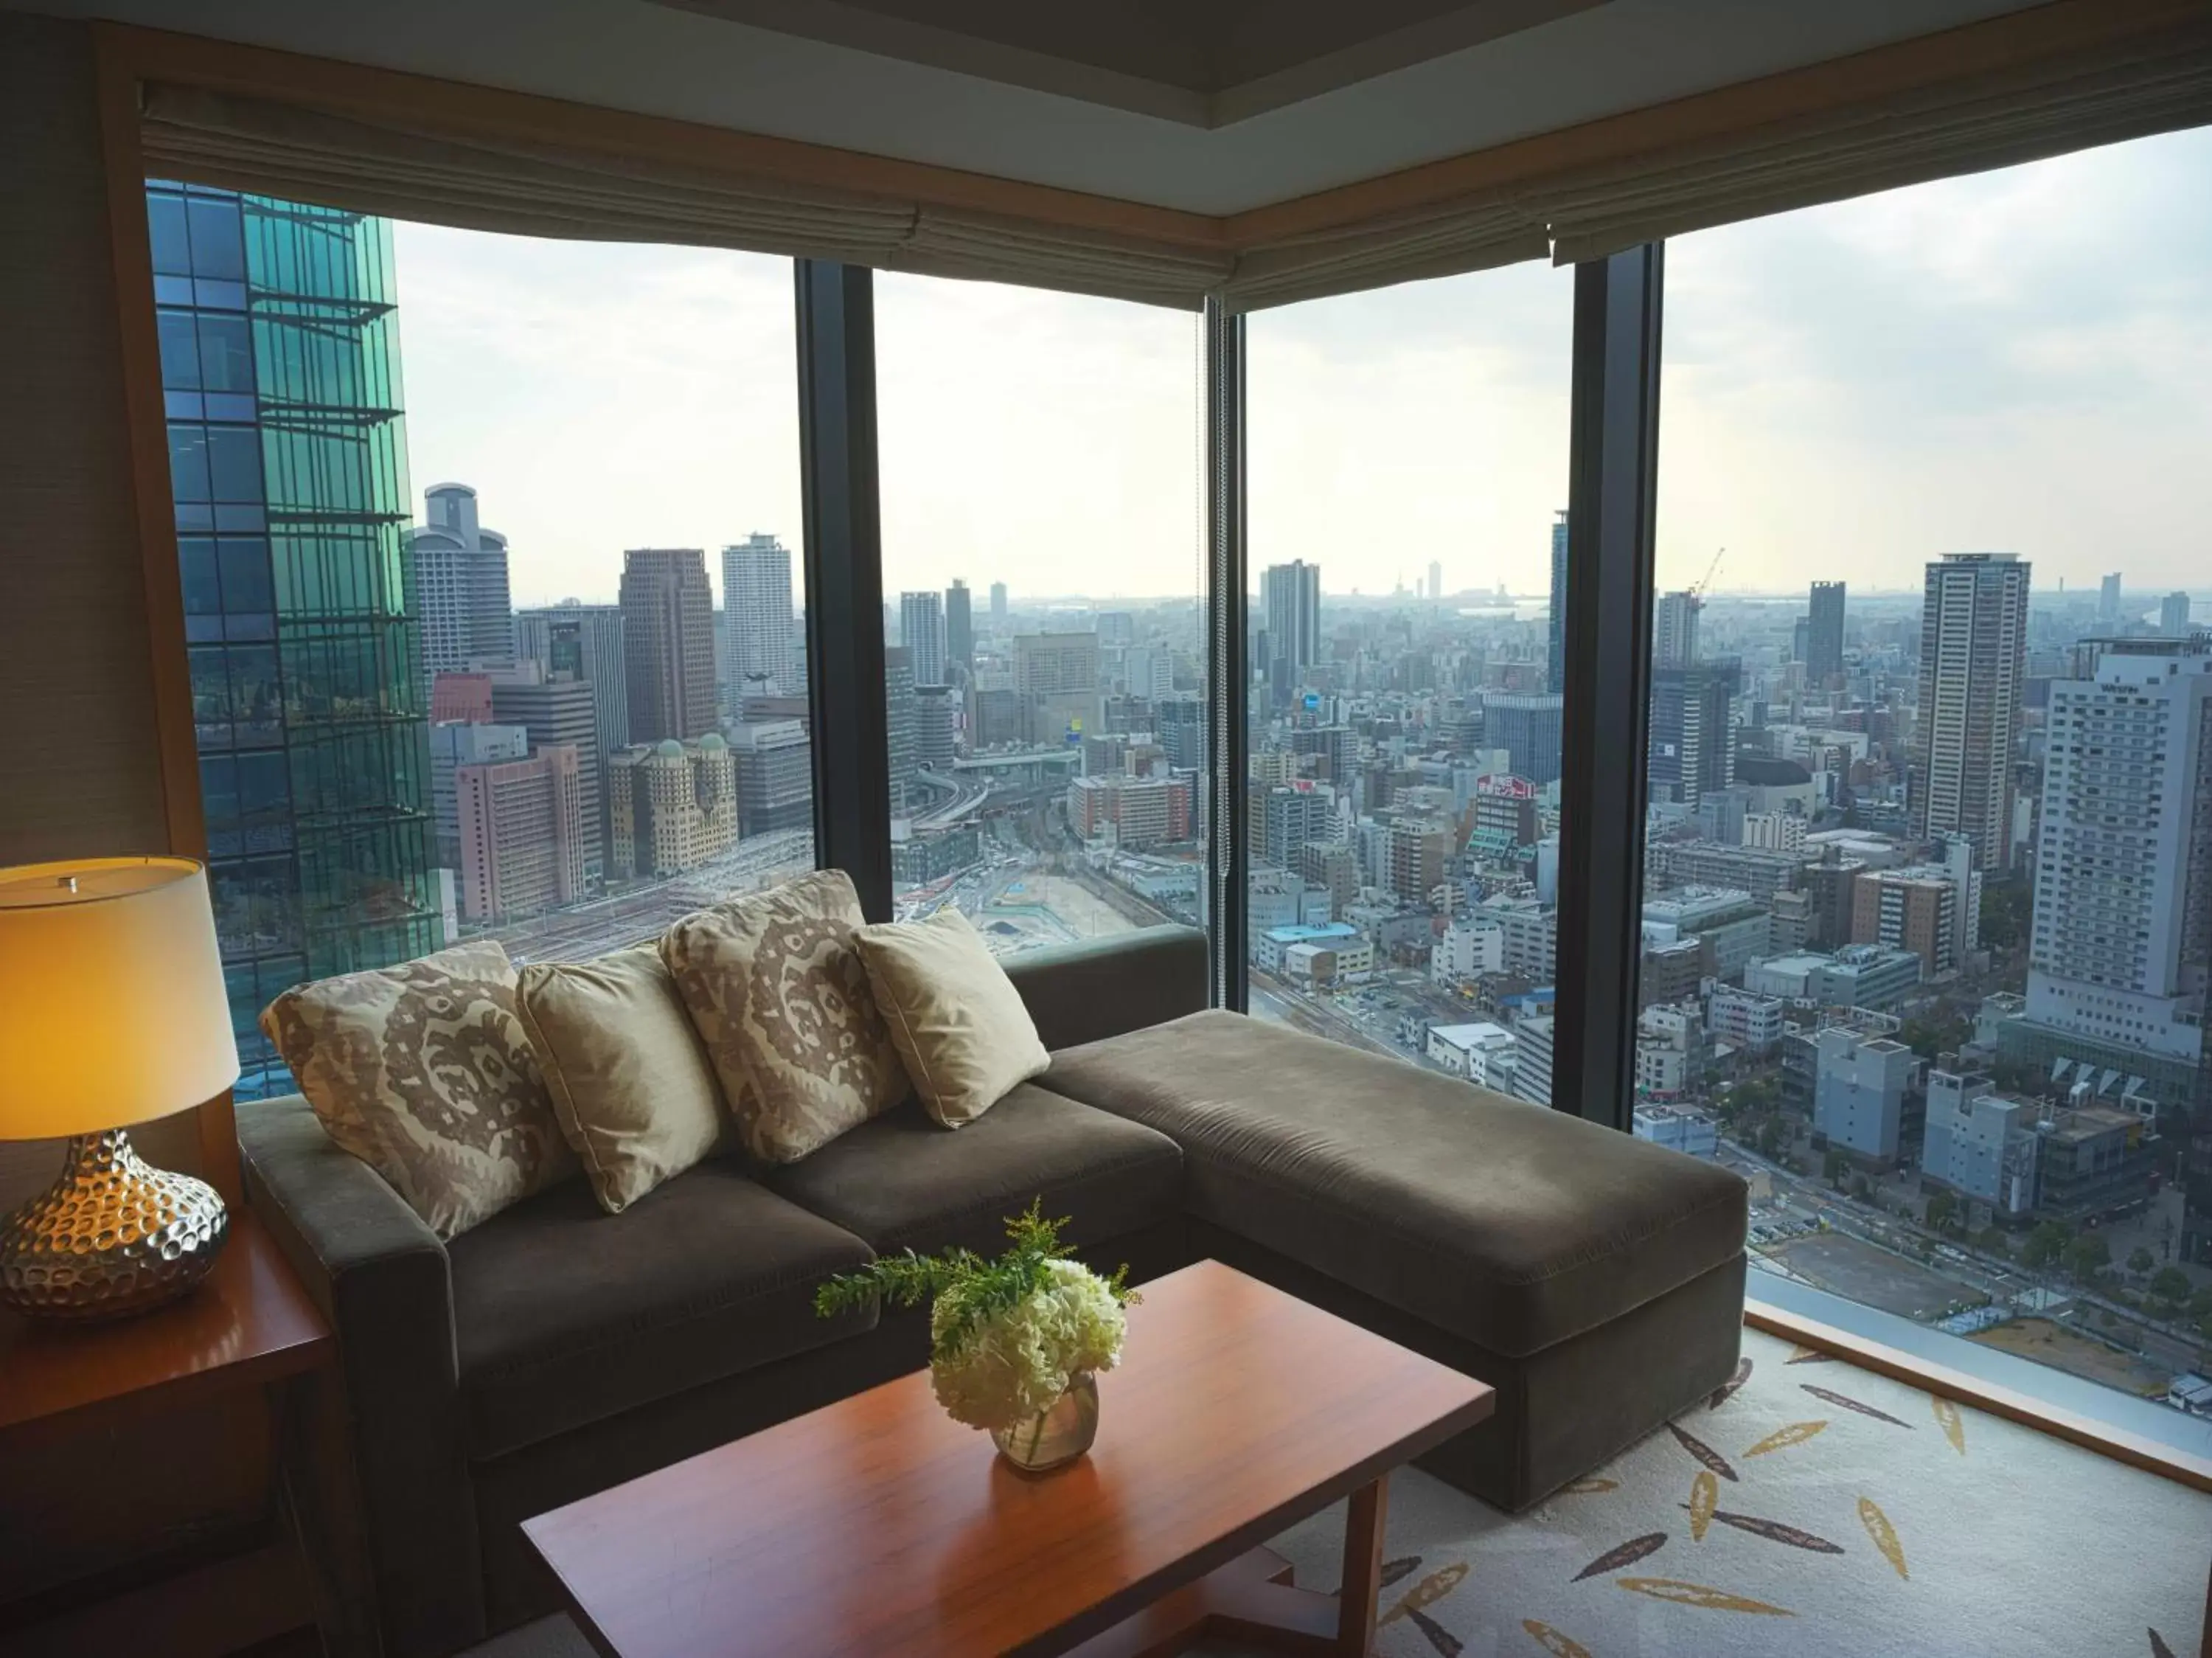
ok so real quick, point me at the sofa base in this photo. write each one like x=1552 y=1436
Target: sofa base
x=1562 y=1411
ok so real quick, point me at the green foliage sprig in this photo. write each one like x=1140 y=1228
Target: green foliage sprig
x=991 y=1289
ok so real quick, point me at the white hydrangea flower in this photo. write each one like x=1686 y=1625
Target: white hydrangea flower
x=1012 y=1367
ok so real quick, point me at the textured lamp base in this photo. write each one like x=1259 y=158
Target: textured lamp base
x=113 y=1236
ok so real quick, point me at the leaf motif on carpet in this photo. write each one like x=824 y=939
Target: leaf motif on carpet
x=1728 y=1389
x=1864 y=1409
x=1703 y=1453
x=1953 y=1425
x=1704 y=1498
x=1554 y=1643
x=1884 y=1534
x=1699 y=1594
x=1625 y=1554
x=1796 y=1434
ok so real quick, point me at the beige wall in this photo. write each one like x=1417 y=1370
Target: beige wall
x=78 y=767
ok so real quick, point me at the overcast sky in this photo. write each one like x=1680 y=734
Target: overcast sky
x=2021 y=361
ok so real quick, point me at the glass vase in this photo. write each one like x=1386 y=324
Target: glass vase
x=1057 y=1435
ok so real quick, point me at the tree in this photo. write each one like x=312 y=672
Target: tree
x=2171 y=1284
x=1942 y=1209
x=1770 y=1137
x=2200 y=1304
x=1991 y=1241
x=1861 y=1188
x=2087 y=1255
x=2139 y=1260
x=1832 y=1166
x=2045 y=1245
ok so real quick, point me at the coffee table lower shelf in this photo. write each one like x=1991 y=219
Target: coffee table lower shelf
x=1252 y=1600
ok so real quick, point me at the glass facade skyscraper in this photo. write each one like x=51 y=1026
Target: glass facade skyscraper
x=279 y=365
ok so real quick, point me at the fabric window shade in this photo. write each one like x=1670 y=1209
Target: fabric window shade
x=527 y=188
x=2080 y=76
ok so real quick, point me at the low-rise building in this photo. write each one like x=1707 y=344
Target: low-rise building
x=1467 y=950
x=1980 y=1144
x=1749 y=1021
x=1531 y=933
x=674 y=806
x=1349 y=949
x=1477 y=1051
x=1691 y=1133
x=1532 y=1058
x=1858 y=1101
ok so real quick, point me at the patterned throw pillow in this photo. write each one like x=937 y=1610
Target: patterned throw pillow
x=423 y=1072
x=779 y=995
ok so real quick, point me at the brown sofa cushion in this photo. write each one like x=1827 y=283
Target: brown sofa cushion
x=900 y=1181
x=1503 y=1222
x=563 y=1315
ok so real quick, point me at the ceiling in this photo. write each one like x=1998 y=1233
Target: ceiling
x=1208 y=106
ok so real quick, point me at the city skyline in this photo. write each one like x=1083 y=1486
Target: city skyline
x=591 y=386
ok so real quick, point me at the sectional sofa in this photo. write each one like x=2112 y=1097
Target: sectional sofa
x=1594 y=1280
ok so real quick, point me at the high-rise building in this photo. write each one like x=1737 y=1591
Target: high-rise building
x=1909 y=909
x=933 y=726
x=774 y=775
x=998 y=606
x=921 y=631
x=1289 y=817
x=1180 y=724
x=460 y=573
x=899 y=714
x=455 y=744
x=585 y=642
x=556 y=711
x=1692 y=735
x=1056 y=678
x=758 y=619
x=668 y=642
x=2108 y=601
x=675 y=807
x=1824 y=633
x=2120 y=945
x=522 y=833
x=2173 y=615
x=1674 y=636
x=1555 y=669
x=1973 y=640
x=1436 y=579
x=960 y=626
x=1290 y=604
x=1525 y=725
x=279 y=331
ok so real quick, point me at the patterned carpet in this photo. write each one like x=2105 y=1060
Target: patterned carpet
x=1812 y=1509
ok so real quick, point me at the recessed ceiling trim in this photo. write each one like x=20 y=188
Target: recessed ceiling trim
x=1200 y=62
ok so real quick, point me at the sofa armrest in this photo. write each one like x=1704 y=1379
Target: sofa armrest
x=381 y=1279
x=1108 y=986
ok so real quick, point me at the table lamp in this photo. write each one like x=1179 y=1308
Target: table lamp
x=111 y=1012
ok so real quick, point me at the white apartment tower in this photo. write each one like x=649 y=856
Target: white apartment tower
x=2123 y=926
x=460 y=578
x=1973 y=638
x=758 y=618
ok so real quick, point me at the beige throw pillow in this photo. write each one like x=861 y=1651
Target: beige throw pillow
x=959 y=1023
x=778 y=993
x=423 y=1072
x=631 y=1086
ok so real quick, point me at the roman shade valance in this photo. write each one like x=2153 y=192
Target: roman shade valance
x=2058 y=77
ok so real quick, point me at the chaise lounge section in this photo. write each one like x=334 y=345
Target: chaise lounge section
x=553 y=1351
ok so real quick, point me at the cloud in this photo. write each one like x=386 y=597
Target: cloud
x=2018 y=360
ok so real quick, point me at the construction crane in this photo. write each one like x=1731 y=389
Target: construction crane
x=1697 y=588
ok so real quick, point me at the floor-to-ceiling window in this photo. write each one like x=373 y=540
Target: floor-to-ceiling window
x=506 y=645
x=1043 y=608
x=1408 y=551
x=1928 y=885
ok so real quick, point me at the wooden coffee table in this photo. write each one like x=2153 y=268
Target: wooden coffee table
x=880 y=1525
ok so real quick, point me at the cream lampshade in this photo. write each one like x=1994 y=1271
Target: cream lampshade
x=112 y=1012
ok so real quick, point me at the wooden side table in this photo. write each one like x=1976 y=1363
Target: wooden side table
x=250 y=1324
